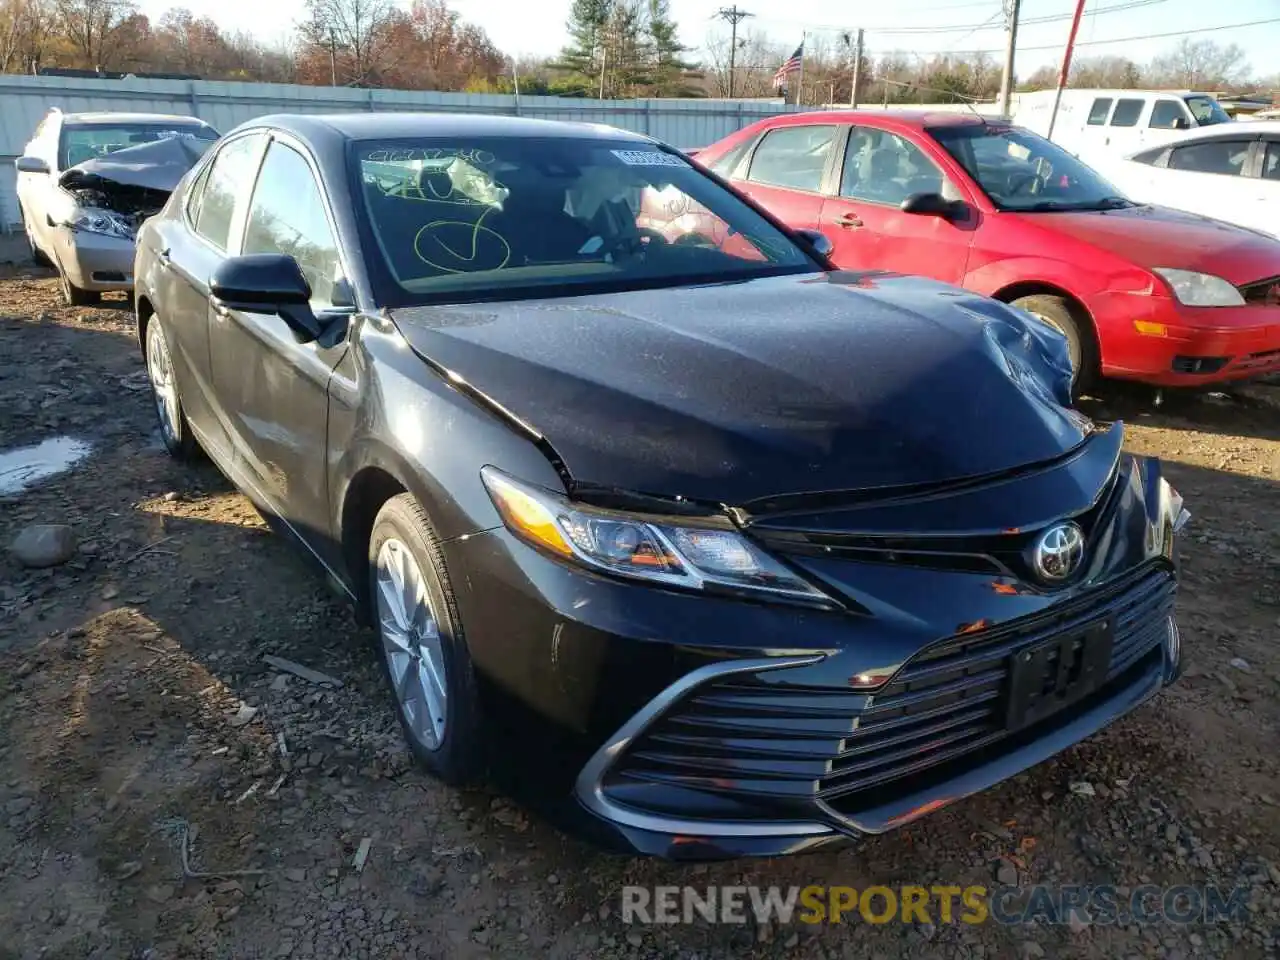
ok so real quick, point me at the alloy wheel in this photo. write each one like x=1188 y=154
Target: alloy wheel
x=163 y=388
x=411 y=643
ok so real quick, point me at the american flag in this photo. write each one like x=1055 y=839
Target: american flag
x=789 y=66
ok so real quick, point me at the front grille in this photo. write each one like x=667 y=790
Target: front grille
x=950 y=699
x=1265 y=292
x=754 y=736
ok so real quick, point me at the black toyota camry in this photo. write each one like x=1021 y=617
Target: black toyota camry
x=777 y=555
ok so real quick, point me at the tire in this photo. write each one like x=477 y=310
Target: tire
x=1074 y=324
x=175 y=431
x=72 y=295
x=416 y=647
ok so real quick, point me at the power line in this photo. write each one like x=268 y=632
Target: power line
x=1055 y=18
x=1095 y=43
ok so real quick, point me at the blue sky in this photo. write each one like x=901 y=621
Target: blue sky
x=536 y=27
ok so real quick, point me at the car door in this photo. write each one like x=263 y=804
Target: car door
x=1208 y=177
x=787 y=170
x=36 y=190
x=865 y=224
x=1091 y=140
x=188 y=249
x=1122 y=134
x=273 y=388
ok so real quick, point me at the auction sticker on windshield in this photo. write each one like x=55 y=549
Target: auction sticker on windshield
x=647 y=158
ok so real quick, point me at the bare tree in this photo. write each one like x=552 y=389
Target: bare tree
x=757 y=60
x=357 y=29
x=92 y=26
x=26 y=29
x=1200 y=65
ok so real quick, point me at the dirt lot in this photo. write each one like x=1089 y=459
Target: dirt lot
x=125 y=748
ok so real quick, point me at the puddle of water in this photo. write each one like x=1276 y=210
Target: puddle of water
x=21 y=468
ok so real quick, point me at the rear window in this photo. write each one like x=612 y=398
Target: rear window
x=1225 y=157
x=1151 y=157
x=794 y=157
x=728 y=162
x=1098 y=112
x=1271 y=165
x=81 y=142
x=1127 y=113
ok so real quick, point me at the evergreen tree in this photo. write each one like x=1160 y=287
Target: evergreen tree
x=669 y=68
x=630 y=48
x=587 y=22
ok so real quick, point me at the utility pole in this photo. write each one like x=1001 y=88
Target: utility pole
x=1011 y=9
x=856 y=81
x=333 y=58
x=734 y=16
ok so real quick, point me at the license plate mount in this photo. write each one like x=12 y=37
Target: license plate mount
x=1053 y=674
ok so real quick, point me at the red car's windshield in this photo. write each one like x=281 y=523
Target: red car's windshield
x=1019 y=170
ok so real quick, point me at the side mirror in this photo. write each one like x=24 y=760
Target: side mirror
x=30 y=164
x=931 y=204
x=267 y=283
x=818 y=240
x=1181 y=123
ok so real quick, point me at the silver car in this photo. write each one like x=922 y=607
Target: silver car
x=86 y=181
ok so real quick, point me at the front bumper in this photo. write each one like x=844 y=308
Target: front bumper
x=681 y=839
x=1161 y=342
x=93 y=261
x=699 y=727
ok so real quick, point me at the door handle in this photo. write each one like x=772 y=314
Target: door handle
x=163 y=259
x=848 y=220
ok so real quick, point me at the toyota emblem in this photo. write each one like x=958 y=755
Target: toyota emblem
x=1059 y=552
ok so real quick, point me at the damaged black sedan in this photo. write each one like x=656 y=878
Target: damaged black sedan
x=770 y=555
x=86 y=181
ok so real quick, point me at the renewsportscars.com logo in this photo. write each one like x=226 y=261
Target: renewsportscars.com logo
x=1102 y=904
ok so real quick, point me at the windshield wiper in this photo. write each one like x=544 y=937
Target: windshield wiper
x=1051 y=206
x=1046 y=206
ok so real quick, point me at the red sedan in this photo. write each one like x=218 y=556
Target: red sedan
x=1141 y=292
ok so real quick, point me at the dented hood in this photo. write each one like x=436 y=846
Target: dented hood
x=734 y=392
x=157 y=165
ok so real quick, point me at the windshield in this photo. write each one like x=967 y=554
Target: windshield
x=490 y=219
x=1021 y=171
x=89 y=141
x=1207 y=111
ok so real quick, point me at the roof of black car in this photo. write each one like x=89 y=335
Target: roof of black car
x=376 y=126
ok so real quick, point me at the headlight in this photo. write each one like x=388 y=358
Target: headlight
x=106 y=222
x=1200 y=289
x=695 y=557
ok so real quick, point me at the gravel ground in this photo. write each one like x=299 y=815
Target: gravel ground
x=164 y=792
